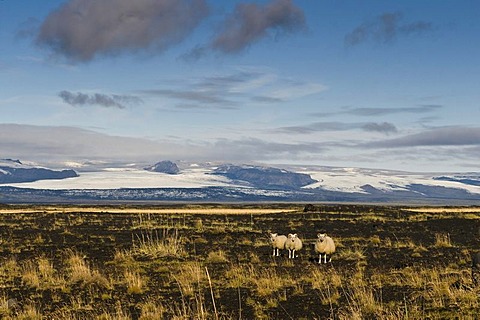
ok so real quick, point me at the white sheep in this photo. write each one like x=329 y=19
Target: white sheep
x=293 y=245
x=324 y=245
x=278 y=243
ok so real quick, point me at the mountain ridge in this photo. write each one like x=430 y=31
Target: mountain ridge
x=233 y=182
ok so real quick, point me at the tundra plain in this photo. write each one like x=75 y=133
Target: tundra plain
x=214 y=261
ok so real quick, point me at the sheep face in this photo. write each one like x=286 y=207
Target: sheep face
x=273 y=237
x=292 y=236
x=321 y=237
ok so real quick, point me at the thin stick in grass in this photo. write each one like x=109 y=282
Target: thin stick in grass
x=211 y=292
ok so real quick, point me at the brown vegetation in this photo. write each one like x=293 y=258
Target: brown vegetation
x=204 y=263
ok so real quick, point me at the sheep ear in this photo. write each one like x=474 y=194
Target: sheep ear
x=294 y=234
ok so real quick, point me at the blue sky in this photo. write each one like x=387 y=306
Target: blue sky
x=377 y=84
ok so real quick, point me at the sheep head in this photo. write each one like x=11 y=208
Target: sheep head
x=292 y=236
x=321 y=237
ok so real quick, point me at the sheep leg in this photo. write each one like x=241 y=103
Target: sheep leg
x=289 y=253
x=273 y=252
x=325 y=258
x=293 y=254
x=320 y=258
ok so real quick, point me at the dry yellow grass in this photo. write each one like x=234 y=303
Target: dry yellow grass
x=97 y=209
x=445 y=209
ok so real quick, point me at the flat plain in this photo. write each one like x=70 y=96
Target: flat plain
x=214 y=261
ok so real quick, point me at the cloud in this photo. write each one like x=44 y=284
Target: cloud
x=253 y=149
x=203 y=98
x=371 y=112
x=251 y=22
x=291 y=90
x=384 y=111
x=443 y=136
x=385 y=28
x=238 y=88
x=82 y=99
x=384 y=127
x=81 y=30
x=50 y=144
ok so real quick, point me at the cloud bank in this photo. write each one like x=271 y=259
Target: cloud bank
x=82 y=99
x=445 y=147
x=59 y=144
x=444 y=136
x=80 y=30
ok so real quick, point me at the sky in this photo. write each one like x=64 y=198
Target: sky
x=374 y=84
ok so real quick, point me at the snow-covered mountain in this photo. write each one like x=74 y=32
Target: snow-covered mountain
x=226 y=182
x=14 y=171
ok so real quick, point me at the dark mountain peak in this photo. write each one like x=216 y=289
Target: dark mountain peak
x=165 y=166
x=12 y=161
x=265 y=177
x=14 y=171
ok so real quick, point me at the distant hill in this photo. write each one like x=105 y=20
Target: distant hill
x=14 y=171
x=265 y=177
x=165 y=166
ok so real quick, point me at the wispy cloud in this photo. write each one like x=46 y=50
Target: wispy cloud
x=385 y=28
x=385 y=111
x=195 y=96
x=236 y=89
x=443 y=136
x=384 y=127
x=372 y=112
x=291 y=90
x=80 y=30
x=82 y=99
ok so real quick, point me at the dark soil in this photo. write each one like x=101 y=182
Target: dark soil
x=99 y=236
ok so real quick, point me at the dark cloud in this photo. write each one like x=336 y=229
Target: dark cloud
x=384 y=127
x=384 y=111
x=385 y=28
x=82 y=99
x=83 y=29
x=444 y=136
x=317 y=127
x=250 y=22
